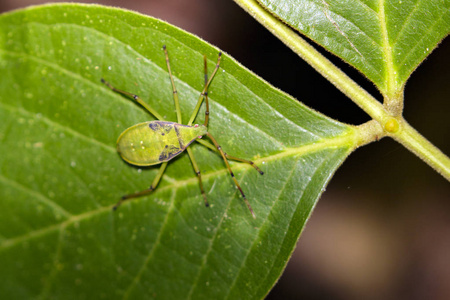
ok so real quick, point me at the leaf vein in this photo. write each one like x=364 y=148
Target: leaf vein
x=41 y=198
x=210 y=246
x=51 y=122
x=423 y=36
x=257 y=237
x=153 y=249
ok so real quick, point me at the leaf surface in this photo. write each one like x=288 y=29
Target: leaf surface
x=60 y=173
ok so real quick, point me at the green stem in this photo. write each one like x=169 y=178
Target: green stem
x=320 y=63
x=416 y=143
x=392 y=123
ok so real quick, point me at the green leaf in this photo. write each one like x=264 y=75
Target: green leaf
x=385 y=40
x=60 y=174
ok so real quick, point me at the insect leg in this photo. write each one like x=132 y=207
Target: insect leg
x=212 y=147
x=147 y=191
x=136 y=98
x=197 y=171
x=245 y=161
x=174 y=89
x=204 y=92
x=231 y=172
x=205 y=64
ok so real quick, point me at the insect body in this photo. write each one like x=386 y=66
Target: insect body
x=157 y=142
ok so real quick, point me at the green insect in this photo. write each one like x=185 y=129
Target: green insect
x=157 y=142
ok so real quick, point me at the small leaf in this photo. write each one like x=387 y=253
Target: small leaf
x=385 y=40
x=60 y=173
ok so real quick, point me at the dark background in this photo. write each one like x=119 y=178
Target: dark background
x=382 y=228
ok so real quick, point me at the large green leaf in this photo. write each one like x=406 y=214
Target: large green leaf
x=385 y=40
x=60 y=174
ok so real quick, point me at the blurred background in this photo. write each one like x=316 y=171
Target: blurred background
x=382 y=228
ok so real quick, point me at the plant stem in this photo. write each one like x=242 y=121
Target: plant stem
x=320 y=63
x=416 y=143
x=392 y=123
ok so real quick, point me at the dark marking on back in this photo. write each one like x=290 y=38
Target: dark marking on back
x=162 y=129
x=179 y=138
x=169 y=152
x=153 y=126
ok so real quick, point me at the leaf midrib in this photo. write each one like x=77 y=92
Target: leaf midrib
x=387 y=50
x=339 y=142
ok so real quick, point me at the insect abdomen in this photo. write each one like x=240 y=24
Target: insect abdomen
x=154 y=142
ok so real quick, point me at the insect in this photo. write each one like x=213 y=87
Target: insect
x=157 y=142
